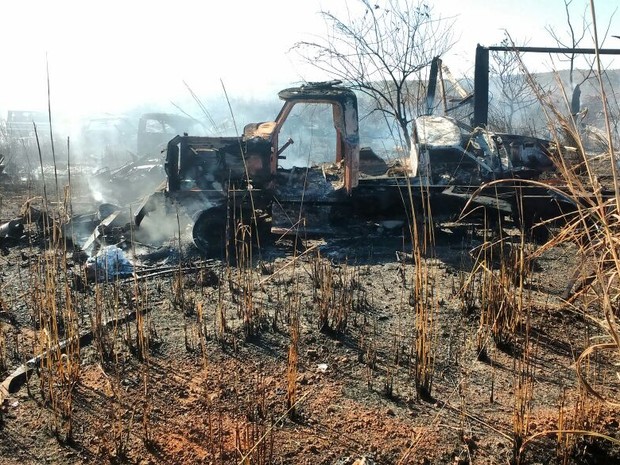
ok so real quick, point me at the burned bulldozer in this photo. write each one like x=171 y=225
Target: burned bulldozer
x=214 y=179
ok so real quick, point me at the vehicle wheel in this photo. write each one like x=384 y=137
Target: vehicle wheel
x=209 y=232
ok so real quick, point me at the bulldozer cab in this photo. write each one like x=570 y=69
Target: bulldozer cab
x=307 y=112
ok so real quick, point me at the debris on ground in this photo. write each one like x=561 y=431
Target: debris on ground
x=110 y=262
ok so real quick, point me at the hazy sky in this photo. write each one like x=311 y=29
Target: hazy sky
x=106 y=55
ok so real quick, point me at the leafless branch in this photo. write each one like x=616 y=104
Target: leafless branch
x=382 y=52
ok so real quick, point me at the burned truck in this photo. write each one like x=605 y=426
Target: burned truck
x=214 y=179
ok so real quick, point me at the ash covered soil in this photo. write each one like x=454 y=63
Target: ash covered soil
x=193 y=360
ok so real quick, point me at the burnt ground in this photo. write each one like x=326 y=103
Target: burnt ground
x=202 y=374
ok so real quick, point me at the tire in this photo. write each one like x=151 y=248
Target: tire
x=209 y=232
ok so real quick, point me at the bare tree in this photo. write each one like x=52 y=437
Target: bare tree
x=573 y=38
x=515 y=94
x=577 y=32
x=382 y=52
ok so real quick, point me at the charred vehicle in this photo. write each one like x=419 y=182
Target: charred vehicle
x=492 y=173
x=108 y=140
x=156 y=129
x=216 y=178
